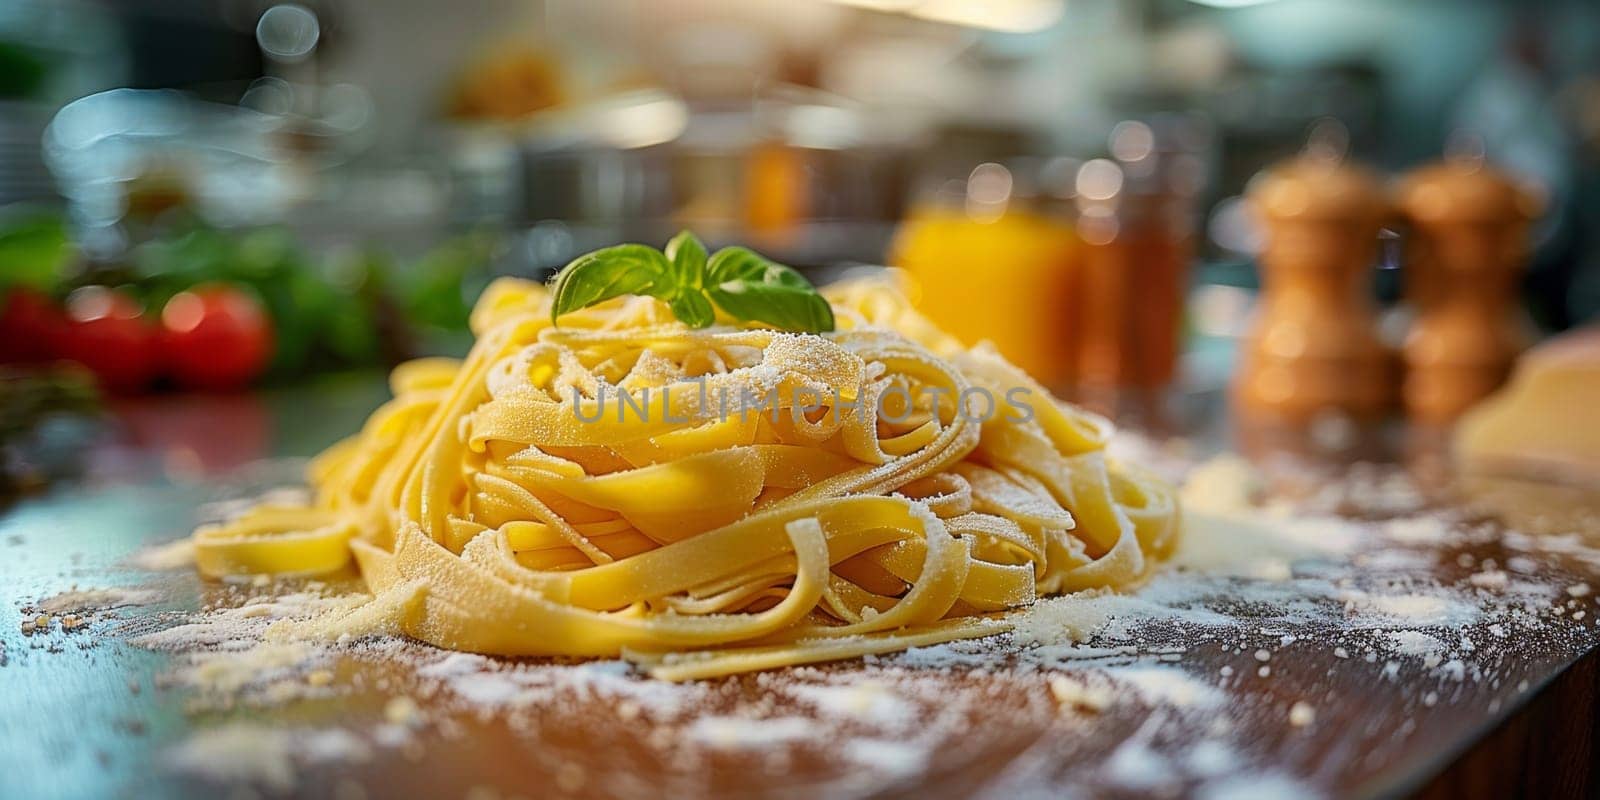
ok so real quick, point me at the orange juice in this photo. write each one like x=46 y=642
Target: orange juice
x=1008 y=280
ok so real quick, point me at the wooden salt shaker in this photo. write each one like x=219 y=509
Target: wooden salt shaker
x=1314 y=348
x=1467 y=248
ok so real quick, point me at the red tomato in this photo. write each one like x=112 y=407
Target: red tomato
x=106 y=333
x=216 y=338
x=30 y=325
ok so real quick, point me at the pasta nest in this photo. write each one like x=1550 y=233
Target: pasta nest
x=706 y=502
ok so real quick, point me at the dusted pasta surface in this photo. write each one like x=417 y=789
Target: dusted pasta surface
x=707 y=502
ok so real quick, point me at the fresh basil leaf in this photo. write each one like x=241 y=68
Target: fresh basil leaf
x=688 y=257
x=611 y=272
x=693 y=309
x=748 y=286
x=741 y=282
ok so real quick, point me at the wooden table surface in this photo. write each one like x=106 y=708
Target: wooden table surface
x=86 y=714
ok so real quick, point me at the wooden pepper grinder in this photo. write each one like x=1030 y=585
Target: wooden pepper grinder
x=1314 y=347
x=1467 y=247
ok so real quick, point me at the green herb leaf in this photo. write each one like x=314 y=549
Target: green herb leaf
x=693 y=309
x=611 y=272
x=750 y=287
x=739 y=281
x=688 y=257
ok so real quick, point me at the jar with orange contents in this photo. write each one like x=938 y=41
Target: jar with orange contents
x=989 y=261
x=1135 y=219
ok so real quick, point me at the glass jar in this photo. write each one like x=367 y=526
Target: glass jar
x=1136 y=224
x=991 y=260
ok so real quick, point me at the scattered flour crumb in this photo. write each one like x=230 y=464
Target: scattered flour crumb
x=1267 y=786
x=1492 y=579
x=81 y=600
x=228 y=671
x=867 y=700
x=1302 y=714
x=1415 y=643
x=1210 y=758
x=1422 y=530
x=261 y=754
x=1135 y=765
x=1168 y=686
x=738 y=733
x=1417 y=608
x=1223 y=484
x=1073 y=693
x=402 y=710
x=887 y=757
x=176 y=554
x=242 y=752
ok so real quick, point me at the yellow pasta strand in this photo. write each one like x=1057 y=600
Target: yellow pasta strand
x=707 y=502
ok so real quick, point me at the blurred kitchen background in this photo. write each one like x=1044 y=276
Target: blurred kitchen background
x=328 y=184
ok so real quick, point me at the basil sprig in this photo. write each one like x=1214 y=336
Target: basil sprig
x=741 y=282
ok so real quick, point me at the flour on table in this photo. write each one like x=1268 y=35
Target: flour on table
x=80 y=601
x=1250 y=583
x=266 y=755
x=178 y=554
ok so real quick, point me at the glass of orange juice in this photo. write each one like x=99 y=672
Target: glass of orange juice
x=988 y=263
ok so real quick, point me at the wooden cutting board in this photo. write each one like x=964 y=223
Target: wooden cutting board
x=1442 y=653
